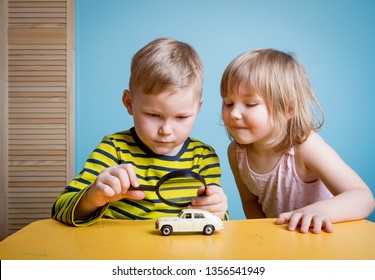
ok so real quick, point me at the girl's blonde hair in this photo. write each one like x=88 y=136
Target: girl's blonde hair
x=284 y=85
x=164 y=64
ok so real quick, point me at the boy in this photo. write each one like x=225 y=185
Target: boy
x=164 y=98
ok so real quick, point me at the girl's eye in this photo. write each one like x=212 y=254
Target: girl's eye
x=250 y=105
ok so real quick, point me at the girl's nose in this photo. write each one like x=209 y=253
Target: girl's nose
x=235 y=113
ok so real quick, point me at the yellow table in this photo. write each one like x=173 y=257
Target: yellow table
x=138 y=240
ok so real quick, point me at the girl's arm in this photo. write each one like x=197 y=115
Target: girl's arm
x=250 y=205
x=352 y=197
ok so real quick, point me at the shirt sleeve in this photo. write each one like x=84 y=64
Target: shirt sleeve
x=105 y=155
x=210 y=170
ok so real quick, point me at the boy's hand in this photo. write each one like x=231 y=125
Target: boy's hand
x=305 y=219
x=112 y=184
x=214 y=201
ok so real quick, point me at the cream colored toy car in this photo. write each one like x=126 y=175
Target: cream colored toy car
x=190 y=220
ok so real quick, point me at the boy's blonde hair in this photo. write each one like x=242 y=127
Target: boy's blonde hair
x=285 y=87
x=165 y=64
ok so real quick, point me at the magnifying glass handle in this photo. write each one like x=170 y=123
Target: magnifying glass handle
x=151 y=189
x=204 y=193
x=142 y=188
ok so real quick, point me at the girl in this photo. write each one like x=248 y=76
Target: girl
x=281 y=166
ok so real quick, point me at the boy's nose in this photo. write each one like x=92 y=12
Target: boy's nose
x=165 y=128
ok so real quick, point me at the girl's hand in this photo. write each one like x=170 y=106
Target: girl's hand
x=215 y=201
x=112 y=184
x=305 y=218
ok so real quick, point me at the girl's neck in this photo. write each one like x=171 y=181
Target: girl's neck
x=262 y=160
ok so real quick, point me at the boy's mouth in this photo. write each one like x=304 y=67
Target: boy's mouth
x=163 y=142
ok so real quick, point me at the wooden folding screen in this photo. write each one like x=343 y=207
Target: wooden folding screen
x=38 y=115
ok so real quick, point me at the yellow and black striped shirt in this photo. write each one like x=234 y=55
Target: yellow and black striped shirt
x=126 y=147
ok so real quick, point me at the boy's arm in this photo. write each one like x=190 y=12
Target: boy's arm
x=112 y=184
x=250 y=205
x=64 y=208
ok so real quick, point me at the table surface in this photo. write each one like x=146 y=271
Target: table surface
x=138 y=240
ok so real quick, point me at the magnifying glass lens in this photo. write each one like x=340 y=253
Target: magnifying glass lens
x=179 y=191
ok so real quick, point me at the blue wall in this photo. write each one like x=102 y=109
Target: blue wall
x=333 y=39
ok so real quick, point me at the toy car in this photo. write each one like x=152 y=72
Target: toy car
x=190 y=220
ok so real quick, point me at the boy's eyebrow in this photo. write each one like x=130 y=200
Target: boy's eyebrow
x=153 y=110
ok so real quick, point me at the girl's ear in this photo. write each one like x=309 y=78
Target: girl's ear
x=290 y=112
x=127 y=101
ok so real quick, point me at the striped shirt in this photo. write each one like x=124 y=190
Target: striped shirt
x=126 y=147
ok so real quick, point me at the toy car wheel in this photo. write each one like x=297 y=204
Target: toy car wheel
x=208 y=230
x=166 y=230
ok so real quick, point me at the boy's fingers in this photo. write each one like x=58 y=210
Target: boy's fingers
x=132 y=177
x=136 y=195
x=104 y=190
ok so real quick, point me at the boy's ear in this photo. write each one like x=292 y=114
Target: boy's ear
x=200 y=105
x=127 y=100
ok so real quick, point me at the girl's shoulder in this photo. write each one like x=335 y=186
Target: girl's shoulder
x=310 y=157
x=232 y=146
x=232 y=151
x=313 y=141
x=314 y=146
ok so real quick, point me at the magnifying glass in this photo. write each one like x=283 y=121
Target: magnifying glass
x=177 y=188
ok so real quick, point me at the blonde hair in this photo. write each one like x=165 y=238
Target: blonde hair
x=284 y=85
x=164 y=64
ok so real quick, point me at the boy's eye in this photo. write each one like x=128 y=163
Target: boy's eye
x=153 y=115
x=181 y=117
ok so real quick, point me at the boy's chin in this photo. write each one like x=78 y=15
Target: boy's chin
x=163 y=151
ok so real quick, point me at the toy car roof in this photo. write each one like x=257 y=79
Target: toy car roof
x=196 y=211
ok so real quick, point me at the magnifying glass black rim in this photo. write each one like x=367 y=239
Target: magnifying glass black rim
x=177 y=174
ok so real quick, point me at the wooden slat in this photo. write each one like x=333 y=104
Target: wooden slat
x=50 y=173
x=15 y=170
x=60 y=185
x=13 y=132
x=44 y=201
x=23 y=136
x=38 y=126
x=38 y=47
x=37 y=121
x=37 y=97
x=37 y=63
x=39 y=89
x=38 y=160
x=36 y=36
x=22 y=52
x=37 y=57
x=36 y=10
x=17 y=207
x=34 y=4
x=33 y=1
x=39 y=105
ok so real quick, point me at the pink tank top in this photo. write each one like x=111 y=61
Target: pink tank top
x=280 y=190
